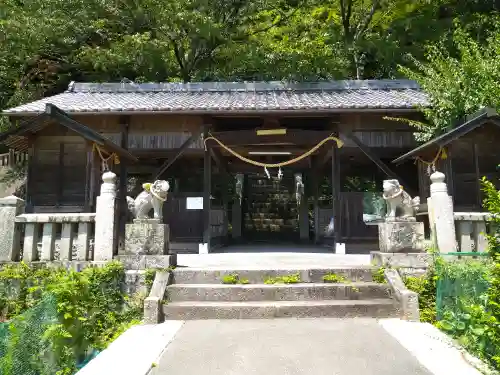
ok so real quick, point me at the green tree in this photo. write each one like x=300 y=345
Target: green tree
x=458 y=82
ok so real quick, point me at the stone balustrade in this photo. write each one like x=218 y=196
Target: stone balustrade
x=471 y=230
x=71 y=233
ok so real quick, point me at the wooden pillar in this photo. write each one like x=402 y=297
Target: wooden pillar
x=304 y=215
x=475 y=153
x=315 y=189
x=11 y=161
x=60 y=175
x=449 y=171
x=225 y=207
x=207 y=190
x=88 y=177
x=122 y=187
x=237 y=209
x=29 y=208
x=336 y=196
x=95 y=179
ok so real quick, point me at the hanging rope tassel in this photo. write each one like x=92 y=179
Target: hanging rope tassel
x=267 y=173
x=275 y=165
x=114 y=157
x=431 y=165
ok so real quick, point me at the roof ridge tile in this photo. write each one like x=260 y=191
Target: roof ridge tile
x=254 y=86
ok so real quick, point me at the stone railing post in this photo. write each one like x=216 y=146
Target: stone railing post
x=105 y=219
x=10 y=244
x=441 y=217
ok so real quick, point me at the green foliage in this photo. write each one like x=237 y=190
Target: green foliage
x=475 y=328
x=149 y=277
x=150 y=274
x=459 y=80
x=90 y=307
x=234 y=279
x=286 y=279
x=492 y=204
x=334 y=278
x=46 y=45
x=466 y=293
x=425 y=286
x=379 y=276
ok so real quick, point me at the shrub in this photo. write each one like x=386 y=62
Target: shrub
x=379 y=276
x=425 y=286
x=90 y=306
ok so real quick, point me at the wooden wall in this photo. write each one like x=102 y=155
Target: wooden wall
x=61 y=167
x=470 y=158
x=148 y=131
x=58 y=171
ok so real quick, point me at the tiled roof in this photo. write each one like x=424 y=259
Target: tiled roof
x=219 y=97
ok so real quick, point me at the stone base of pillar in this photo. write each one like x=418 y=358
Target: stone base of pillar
x=403 y=236
x=146 y=237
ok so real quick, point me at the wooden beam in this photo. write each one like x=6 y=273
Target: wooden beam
x=250 y=137
x=151 y=154
x=64 y=119
x=168 y=163
x=374 y=158
x=326 y=156
x=219 y=161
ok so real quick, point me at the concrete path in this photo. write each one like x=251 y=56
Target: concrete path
x=286 y=347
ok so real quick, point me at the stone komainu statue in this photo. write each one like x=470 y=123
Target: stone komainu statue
x=400 y=205
x=152 y=197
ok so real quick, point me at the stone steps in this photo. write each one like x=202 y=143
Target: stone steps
x=199 y=293
x=258 y=276
x=277 y=292
x=188 y=310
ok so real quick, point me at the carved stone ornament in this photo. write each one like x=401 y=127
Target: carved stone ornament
x=400 y=205
x=153 y=197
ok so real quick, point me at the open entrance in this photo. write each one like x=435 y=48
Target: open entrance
x=270 y=213
x=237 y=186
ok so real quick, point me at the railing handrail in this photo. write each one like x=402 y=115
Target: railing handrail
x=56 y=218
x=12 y=157
x=465 y=253
x=473 y=216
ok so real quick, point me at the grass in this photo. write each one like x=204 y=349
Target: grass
x=287 y=279
x=334 y=278
x=234 y=278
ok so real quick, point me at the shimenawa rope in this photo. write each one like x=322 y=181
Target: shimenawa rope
x=331 y=137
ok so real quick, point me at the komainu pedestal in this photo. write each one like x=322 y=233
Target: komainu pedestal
x=146 y=237
x=401 y=236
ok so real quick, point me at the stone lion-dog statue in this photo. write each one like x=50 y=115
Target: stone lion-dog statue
x=153 y=197
x=400 y=205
